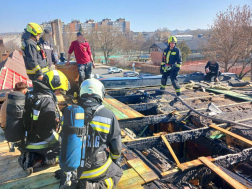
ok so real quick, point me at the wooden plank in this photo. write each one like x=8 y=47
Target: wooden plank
x=231 y=134
x=5 y=78
x=122 y=107
x=170 y=149
x=142 y=169
x=13 y=86
x=232 y=93
x=130 y=179
x=119 y=115
x=223 y=175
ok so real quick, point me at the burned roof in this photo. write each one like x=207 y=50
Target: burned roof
x=165 y=145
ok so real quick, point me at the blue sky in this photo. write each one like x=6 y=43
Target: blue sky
x=144 y=15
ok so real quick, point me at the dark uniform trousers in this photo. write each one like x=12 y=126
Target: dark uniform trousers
x=212 y=76
x=173 y=73
x=85 y=71
x=109 y=179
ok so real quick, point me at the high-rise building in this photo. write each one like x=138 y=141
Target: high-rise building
x=88 y=26
x=46 y=25
x=57 y=35
x=120 y=24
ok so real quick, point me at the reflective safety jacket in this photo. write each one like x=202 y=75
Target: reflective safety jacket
x=49 y=52
x=34 y=58
x=41 y=135
x=103 y=143
x=171 y=58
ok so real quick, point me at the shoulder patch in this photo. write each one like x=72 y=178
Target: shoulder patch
x=37 y=102
x=173 y=53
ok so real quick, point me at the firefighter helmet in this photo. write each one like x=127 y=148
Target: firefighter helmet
x=55 y=79
x=34 y=28
x=92 y=88
x=172 y=39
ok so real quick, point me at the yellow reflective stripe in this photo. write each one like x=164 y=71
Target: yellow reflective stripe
x=38 y=48
x=46 y=69
x=163 y=86
x=35 y=117
x=102 y=127
x=178 y=90
x=33 y=71
x=168 y=57
x=44 y=144
x=109 y=183
x=162 y=63
x=97 y=172
x=114 y=156
x=36 y=68
x=173 y=53
x=178 y=65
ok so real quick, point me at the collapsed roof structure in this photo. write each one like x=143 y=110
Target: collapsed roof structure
x=165 y=144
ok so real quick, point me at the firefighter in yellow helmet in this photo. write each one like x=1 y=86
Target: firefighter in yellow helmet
x=170 y=66
x=41 y=118
x=33 y=54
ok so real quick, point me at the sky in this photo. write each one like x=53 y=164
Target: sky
x=144 y=15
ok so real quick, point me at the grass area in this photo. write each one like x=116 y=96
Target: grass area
x=247 y=78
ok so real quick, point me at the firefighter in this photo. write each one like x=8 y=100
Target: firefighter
x=48 y=48
x=102 y=167
x=42 y=142
x=212 y=69
x=170 y=66
x=34 y=56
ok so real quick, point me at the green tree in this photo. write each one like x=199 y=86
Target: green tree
x=185 y=50
x=81 y=29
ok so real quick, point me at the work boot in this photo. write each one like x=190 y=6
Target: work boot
x=159 y=92
x=87 y=185
x=32 y=160
x=21 y=159
x=52 y=161
x=68 y=180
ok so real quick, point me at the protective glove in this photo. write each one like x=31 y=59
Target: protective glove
x=58 y=174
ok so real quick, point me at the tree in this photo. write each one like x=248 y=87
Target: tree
x=81 y=29
x=68 y=37
x=230 y=37
x=185 y=50
x=108 y=38
x=93 y=42
x=162 y=33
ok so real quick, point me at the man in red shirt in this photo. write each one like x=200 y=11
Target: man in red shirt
x=83 y=57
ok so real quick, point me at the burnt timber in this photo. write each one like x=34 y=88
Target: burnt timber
x=146 y=160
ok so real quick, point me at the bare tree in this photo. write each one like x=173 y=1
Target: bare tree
x=93 y=42
x=230 y=37
x=162 y=33
x=108 y=39
x=68 y=37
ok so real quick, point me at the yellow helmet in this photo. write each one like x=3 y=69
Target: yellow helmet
x=34 y=28
x=56 y=80
x=172 y=39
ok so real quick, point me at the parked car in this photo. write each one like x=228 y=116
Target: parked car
x=114 y=70
x=130 y=74
x=145 y=75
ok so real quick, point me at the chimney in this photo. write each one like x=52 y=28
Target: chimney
x=5 y=55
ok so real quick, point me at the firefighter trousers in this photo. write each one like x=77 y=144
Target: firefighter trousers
x=109 y=179
x=173 y=76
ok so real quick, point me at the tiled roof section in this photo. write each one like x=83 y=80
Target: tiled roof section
x=15 y=62
x=8 y=79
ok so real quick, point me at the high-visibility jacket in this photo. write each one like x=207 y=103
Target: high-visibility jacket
x=35 y=63
x=104 y=139
x=171 y=58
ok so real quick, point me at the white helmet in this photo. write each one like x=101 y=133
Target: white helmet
x=92 y=88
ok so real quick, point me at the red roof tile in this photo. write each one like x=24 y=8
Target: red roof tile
x=8 y=79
